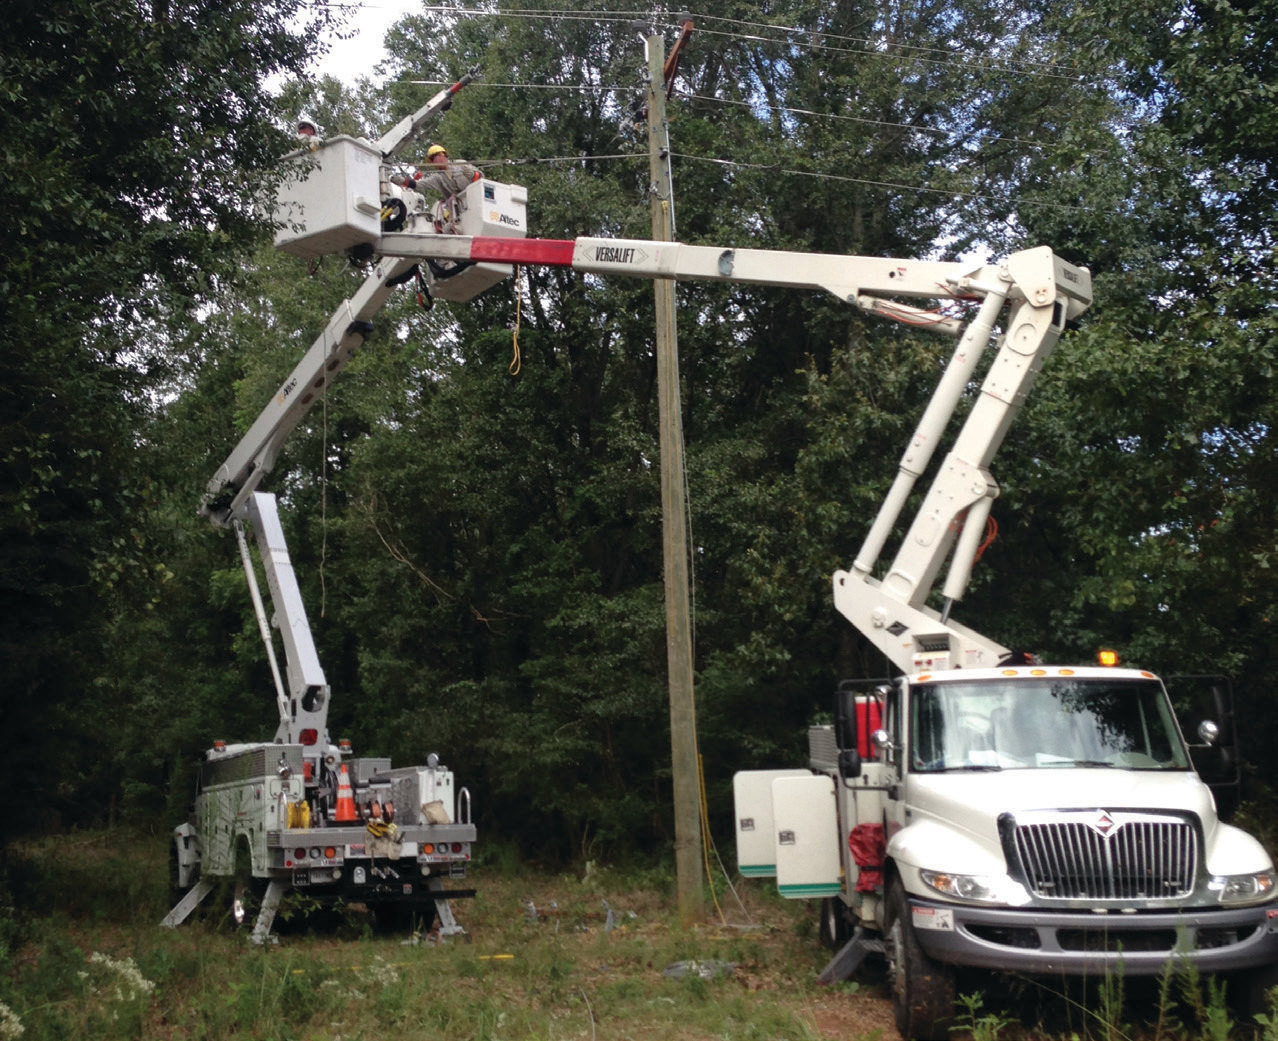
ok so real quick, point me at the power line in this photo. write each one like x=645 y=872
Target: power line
x=814 y=39
x=586 y=87
x=860 y=119
x=865 y=120
x=783 y=171
x=895 y=56
x=866 y=41
x=894 y=185
x=536 y=160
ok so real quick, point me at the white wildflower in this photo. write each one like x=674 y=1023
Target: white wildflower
x=129 y=981
x=11 y=1026
x=381 y=974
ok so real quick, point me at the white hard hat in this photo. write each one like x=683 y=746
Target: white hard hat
x=304 y=121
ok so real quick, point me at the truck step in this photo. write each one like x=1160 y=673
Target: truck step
x=849 y=959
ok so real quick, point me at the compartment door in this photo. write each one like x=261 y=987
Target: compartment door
x=752 y=811
x=807 y=837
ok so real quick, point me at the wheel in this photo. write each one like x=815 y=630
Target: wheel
x=833 y=924
x=922 y=989
x=403 y=918
x=246 y=892
x=176 y=889
x=1248 y=991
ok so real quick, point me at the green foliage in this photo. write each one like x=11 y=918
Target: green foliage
x=567 y=971
x=135 y=140
x=481 y=551
x=983 y=1026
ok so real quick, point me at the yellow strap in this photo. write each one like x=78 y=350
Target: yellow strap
x=515 y=363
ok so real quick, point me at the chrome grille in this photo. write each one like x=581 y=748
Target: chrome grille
x=1108 y=857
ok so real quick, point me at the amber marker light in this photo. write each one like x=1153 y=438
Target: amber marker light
x=1108 y=658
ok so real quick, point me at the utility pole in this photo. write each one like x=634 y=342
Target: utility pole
x=683 y=718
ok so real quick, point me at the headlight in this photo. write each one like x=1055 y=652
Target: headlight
x=961 y=887
x=1242 y=889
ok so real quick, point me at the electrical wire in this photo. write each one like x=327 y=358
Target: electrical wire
x=869 y=46
x=707 y=843
x=589 y=89
x=895 y=56
x=894 y=185
x=865 y=41
x=535 y=161
x=938 y=131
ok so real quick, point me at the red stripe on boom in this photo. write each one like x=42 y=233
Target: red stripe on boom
x=552 y=252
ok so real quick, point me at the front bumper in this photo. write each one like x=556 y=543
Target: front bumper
x=1083 y=943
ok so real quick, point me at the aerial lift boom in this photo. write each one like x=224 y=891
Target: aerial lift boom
x=1034 y=291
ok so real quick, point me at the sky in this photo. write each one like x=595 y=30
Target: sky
x=350 y=59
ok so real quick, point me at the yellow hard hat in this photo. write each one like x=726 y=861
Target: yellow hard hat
x=435 y=150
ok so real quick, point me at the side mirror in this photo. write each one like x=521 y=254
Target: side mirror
x=845 y=721
x=881 y=740
x=1208 y=732
x=849 y=763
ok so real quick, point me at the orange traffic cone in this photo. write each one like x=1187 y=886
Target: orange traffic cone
x=345 y=812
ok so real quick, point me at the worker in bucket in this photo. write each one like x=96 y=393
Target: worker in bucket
x=446 y=177
x=307 y=132
x=449 y=179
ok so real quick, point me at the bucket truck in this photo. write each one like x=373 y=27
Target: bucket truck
x=979 y=809
x=301 y=812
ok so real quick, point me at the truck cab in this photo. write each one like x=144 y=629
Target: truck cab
x=1037 y=819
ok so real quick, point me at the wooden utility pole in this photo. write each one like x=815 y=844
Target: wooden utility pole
x=683 y=718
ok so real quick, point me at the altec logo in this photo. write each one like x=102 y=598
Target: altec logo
x=288 y=389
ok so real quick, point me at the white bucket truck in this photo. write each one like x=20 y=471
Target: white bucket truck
x=982 y=809
x=300 y=812
x=979 y=809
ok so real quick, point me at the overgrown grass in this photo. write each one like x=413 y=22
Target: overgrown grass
x=90 y=961
x=82 y=957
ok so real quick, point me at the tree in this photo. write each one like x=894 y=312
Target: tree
x=484 y=548
x=135 y=142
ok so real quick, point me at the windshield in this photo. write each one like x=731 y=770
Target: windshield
x=1043 y=724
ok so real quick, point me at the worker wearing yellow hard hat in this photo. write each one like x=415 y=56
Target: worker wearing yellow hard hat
x=448 y=178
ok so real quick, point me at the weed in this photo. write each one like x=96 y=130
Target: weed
x=564 y=975
x=985 y=1027
x=1269 y=1020
x=1111 y=996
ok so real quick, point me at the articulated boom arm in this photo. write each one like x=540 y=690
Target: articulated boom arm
x=231 y=497
x=303 y=705
x=406 y=130
x=254 y=456
x=1033 y=291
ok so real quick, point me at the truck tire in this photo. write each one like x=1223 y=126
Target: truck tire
x=176 y=889
x=246 y=892
x=922 y=989
x=1248 y=992
x=833 y=923
x=403 y=919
